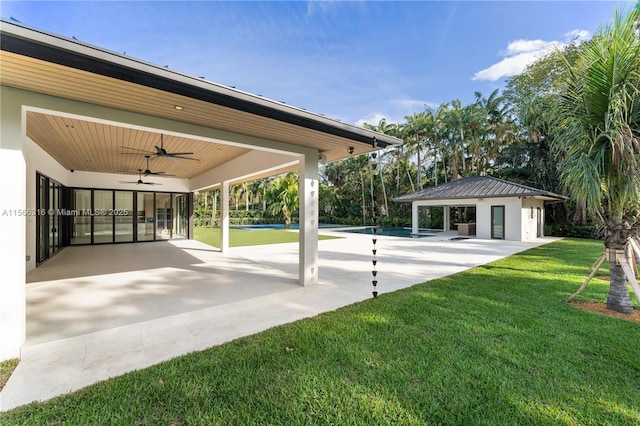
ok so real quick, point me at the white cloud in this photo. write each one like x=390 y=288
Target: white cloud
x=397 y=110
x=520 y=53
x=577 y=35
x=518 y=47
x=374 y=119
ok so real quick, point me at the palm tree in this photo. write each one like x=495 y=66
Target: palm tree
x=284 y=191
x=599 y=140
x=414 y=132
x=386 y=129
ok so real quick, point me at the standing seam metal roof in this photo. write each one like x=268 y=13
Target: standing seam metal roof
x=477 y=187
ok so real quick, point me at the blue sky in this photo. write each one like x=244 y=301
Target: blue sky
x=354 y=61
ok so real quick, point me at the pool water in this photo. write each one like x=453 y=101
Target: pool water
x=270 y=226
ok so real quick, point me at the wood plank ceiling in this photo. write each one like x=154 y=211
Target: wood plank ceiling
x=90 y=146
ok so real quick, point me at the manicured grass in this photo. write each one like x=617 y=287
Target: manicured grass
x=244 y=237
x=494 y=345
x=6 y=368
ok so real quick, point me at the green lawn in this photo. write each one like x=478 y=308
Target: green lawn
x=494 y=345
x=244 y=237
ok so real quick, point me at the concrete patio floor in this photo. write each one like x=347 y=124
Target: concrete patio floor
x=101 y=311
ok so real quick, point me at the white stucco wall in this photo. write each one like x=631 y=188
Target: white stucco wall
x=519 y=226
x=529 y=218
x=12 y=229
x=512 y=222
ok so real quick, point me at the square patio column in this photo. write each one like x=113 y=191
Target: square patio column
x=308 y=218
x=224 y=217
x=13 y=228
x=447 y=215
x=414 y=217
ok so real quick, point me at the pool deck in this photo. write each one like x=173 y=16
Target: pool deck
x=101 y=311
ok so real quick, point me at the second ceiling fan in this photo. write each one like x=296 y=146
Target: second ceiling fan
x=161 y=152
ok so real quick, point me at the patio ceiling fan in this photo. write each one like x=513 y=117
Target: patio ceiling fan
x=148 y=171
x=140 y=181
x=162 y=152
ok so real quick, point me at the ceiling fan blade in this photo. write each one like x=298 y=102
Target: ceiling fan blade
x=185 y=158
x=173 y=154
x=135 y=149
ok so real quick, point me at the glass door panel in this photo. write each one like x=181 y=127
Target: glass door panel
x=144 y=217
x=497 y=222
x=53 y=217
x=81 y=223
x=102 y=216
x=123 y=216
x=539 y=227
x=42 y=219
x=164 y=216
x=182 y=216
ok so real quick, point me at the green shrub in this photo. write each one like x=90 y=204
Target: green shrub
x=589 y=231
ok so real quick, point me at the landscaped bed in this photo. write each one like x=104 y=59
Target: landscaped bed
x=496 y=344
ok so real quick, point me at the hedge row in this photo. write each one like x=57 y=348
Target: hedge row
x=588 y=231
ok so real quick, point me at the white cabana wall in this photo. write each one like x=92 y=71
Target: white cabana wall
x=532 y=219
x=519 y=224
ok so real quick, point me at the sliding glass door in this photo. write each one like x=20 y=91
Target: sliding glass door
x=123 y=216
x=81 y=221
x=48 y=220
x=164 y=216
x=104 y=216
x=182 y=216
x=144 y=216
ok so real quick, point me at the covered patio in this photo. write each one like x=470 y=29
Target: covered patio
x=97 y=147
x=86 y=322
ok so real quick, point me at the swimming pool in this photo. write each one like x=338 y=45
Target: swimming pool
x=387 y=231
x=267 y=226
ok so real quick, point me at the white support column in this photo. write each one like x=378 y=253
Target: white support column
x=308 y=218
x=414 y=218
x=224 y=217
x=447 y=215
x=13 y=229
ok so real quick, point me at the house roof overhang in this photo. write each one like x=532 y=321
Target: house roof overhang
x=478 y=187
x=44 y=63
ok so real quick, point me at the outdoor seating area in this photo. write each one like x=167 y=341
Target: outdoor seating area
x=466 y=228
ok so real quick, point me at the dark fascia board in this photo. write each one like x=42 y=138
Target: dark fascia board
x=198 y=89
x=540 y=195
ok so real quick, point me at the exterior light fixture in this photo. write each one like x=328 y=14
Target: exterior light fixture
x=178 y=107
x=374 y=143
x=350 y=150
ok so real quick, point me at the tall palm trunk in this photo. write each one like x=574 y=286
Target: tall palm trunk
x=616 y=240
